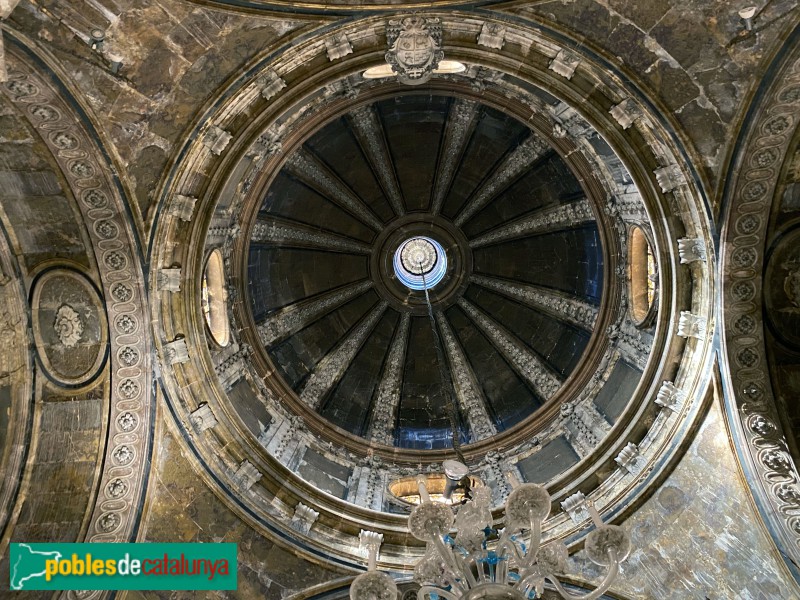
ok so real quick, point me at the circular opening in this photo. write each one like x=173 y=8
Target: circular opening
x=406 y=489
x=215 y=299
x=420 y=262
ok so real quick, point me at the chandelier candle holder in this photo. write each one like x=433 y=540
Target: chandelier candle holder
x=464 y=567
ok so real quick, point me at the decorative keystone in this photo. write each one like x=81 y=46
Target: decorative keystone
x=691 y=250
x=669 y=396
x=565 y=63
x=690 y=325
x=492 y=35
x=246 y=475
x=176 y=352
x=303 y=518
x=628 y=459
x=202 y=418
x=270 y=84
x=626 y=113
x=575 y=506
x=669 y=178
x=216 y=139
x=338 y=46
x=183 y=207
x=169 y=280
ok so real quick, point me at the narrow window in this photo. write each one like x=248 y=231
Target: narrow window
x=215 y=299
x=643 y=276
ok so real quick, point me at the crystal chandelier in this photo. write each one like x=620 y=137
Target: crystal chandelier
x=483 y=562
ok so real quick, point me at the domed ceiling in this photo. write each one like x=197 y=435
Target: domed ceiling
x=514 y=309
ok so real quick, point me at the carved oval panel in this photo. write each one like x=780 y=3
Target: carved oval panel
x=69 y=326
x=782 y=289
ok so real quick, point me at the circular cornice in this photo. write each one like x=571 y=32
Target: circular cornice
x=651 y=436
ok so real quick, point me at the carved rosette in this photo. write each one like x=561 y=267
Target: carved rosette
x=750 y=402
x=111 y=234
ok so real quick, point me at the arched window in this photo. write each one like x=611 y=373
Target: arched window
x=215 y=299
x=643 y=276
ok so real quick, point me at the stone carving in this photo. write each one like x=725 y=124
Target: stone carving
x=338 y=46
x=370 y=135
x=176 y=352
x=415 y=48
x=515 y=163
x=562 y=306
x=303 y=518
x=287 y=320
x=309 y=169
x=332 y=367
x=584 y=425
x=55 y=121
x=286 y=232
x=576 y=508
x=494 y=467
x=626 y=113
x=670 y=396
x=633 y=343
x=270 y=84
x=628 y=458
x=492 y=35
x=381 y=427
x=527 y=364
x=468 y=394
x=669 y=178
x=231 y=365
x=564 y=63
x=183 y=207
x=169 y=280
x=456 y=135
x=690 y=325
x=202 y=418
x=691 y=250
x=559 y=217
x=6 y=7
x=246 y=475
x=216 y=139
x=68 y=326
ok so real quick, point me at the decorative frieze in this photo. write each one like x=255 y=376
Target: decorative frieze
x=246 y=475
x=576 y=508
x=568 y=308
x=690 y=325
x=515 y=163
x=670 y=396
x=691 y=250
x=492 y=35
x=202 y=418
x=669 y=178
x=270 y=84
x=216 y=139
x=494 y=467
x=169 y=280
x=551 y=219
x=334 y=364
x=564 y=63
x=584 y=425
x=183 y=207
x=292 y=318
x=381 y=427
x=470 y=399
x=175 y=352
x=525 y=362
x=626 y=112
x=338 y=46
x=303 y=518
x=231 y=365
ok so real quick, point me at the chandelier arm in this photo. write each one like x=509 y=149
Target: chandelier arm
x=428 y=589
x=451 y=565
x=613 y=570
x=536 y=540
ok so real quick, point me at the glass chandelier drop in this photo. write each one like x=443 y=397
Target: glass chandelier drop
x=481 y=562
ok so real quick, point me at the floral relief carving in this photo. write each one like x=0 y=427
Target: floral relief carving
x=68 y=326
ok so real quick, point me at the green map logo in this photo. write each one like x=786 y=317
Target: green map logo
x=122 y=566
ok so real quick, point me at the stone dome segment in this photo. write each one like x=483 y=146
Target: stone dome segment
x=522 y=256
